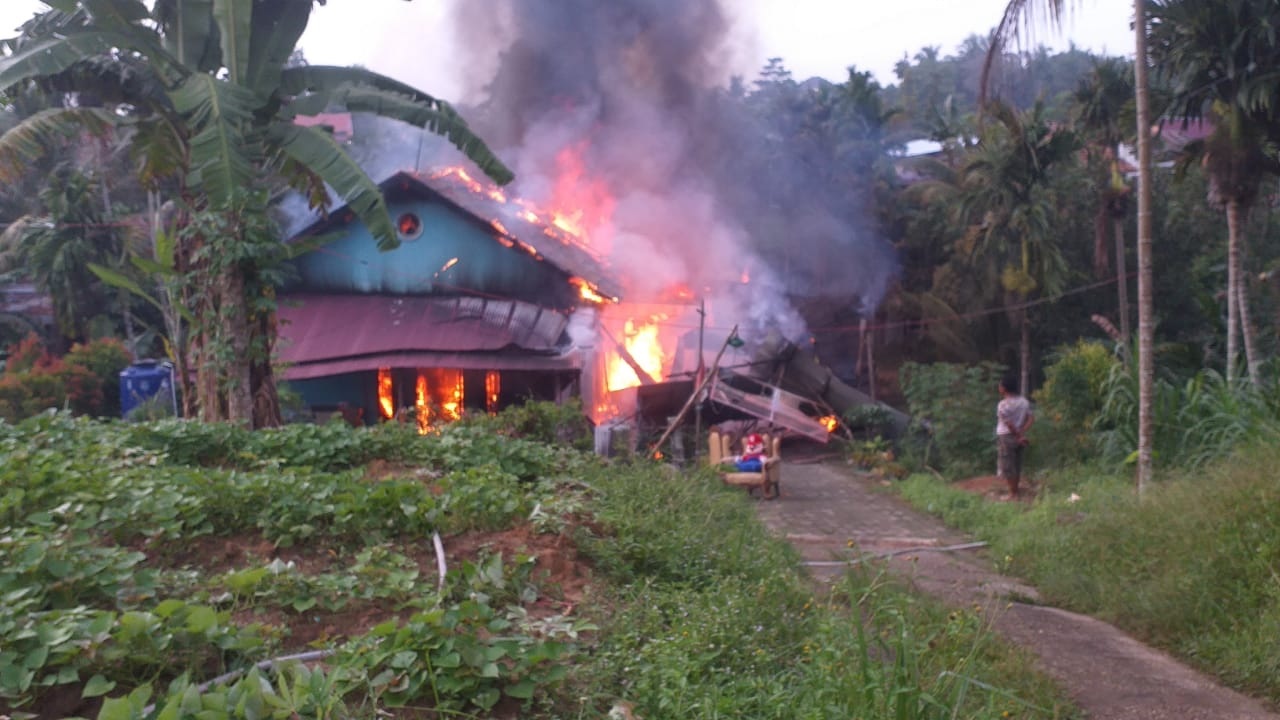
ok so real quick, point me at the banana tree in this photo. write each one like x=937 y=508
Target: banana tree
x=205 y=91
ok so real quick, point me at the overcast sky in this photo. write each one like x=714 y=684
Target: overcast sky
x=410 y=40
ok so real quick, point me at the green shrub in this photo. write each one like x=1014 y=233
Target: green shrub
x=956 y=405
x=1070 y=402
x=544 y=421
x=103 y=359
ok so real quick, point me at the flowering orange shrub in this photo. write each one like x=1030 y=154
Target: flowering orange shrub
x=84 y=381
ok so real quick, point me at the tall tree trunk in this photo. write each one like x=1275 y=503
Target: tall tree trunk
x=1024 y=351
x=262 y=379
x=1233 y=282
x=1247 y=330
x=1146 y=312
x=1100 y=218
x=1122 y=282
x=236 y=385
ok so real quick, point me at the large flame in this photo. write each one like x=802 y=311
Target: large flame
x=439 y=393
x=580 y=204
x=643 y=344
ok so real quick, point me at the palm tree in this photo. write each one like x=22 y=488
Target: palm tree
x=206 y=91
x=1222 y=60
x=56 y=248
x=1007 y=202
x=1020 y=13
x=1103 y=105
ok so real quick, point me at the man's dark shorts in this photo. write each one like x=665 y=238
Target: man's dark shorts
x=1008 y=457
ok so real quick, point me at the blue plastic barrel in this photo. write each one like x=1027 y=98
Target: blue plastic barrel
x=144 y=380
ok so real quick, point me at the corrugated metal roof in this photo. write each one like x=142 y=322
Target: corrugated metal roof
x=456 y=361
x=561 y=248
x=327 y=328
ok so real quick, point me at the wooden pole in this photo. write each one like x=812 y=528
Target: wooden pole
x=715 y=366
x=697 y=408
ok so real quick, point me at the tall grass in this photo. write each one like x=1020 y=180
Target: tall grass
x=711 y=618
x=1194 y=566
x=1196 y=420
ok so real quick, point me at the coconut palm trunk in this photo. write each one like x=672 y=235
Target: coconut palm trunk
x=1247 y=331
x=1233 y=281
x=1122 y=281
x=1146 y=314
x=1024 y=349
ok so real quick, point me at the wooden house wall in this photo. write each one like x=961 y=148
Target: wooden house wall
x=353 y=264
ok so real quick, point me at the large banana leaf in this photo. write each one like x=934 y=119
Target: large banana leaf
x=26 y=142
x=317 y=151
x=51 y=56
x=316 y=88
x=441 y=121
x=217 y=113
x=235 y=19
x=277 y=27
x=190 y=33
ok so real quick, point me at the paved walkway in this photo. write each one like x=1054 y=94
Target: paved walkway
x=1110 y=675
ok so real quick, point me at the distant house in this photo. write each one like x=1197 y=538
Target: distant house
x=340 y=124
x=24 y=309
x=473 y=309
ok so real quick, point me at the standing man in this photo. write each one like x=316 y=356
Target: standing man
x=1013 y=419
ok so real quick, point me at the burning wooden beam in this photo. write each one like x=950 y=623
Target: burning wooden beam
x=629 y=359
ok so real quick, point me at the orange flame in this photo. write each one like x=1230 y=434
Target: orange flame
x=589 y=291
x=492 y=389
x=645 y=347
x=451 y=402
x=422 y=402
x=830 y=422
x=386 y=398
x=499 y=227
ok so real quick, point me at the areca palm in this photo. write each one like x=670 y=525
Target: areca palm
x=55 y=250
x=1103 y=104
x=1022 y=13
x=1222 y=60
x=204 y=88
x=1007 y=201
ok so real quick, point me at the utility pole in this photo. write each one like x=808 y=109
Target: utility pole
x=697 y=408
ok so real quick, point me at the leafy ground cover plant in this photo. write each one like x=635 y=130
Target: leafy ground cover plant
x=139 y=570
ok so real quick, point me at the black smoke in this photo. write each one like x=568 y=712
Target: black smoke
x=706 y=191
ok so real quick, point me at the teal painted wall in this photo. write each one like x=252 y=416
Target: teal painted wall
x=353 y=263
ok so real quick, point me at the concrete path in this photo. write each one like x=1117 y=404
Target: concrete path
x=824 y=507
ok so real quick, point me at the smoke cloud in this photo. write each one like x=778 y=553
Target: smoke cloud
x=623 y=107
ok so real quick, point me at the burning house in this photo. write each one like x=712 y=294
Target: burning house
x=476 y=308
x=616 y=266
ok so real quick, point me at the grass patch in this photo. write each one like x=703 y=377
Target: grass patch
x=710 y=617
x=1191 y=567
